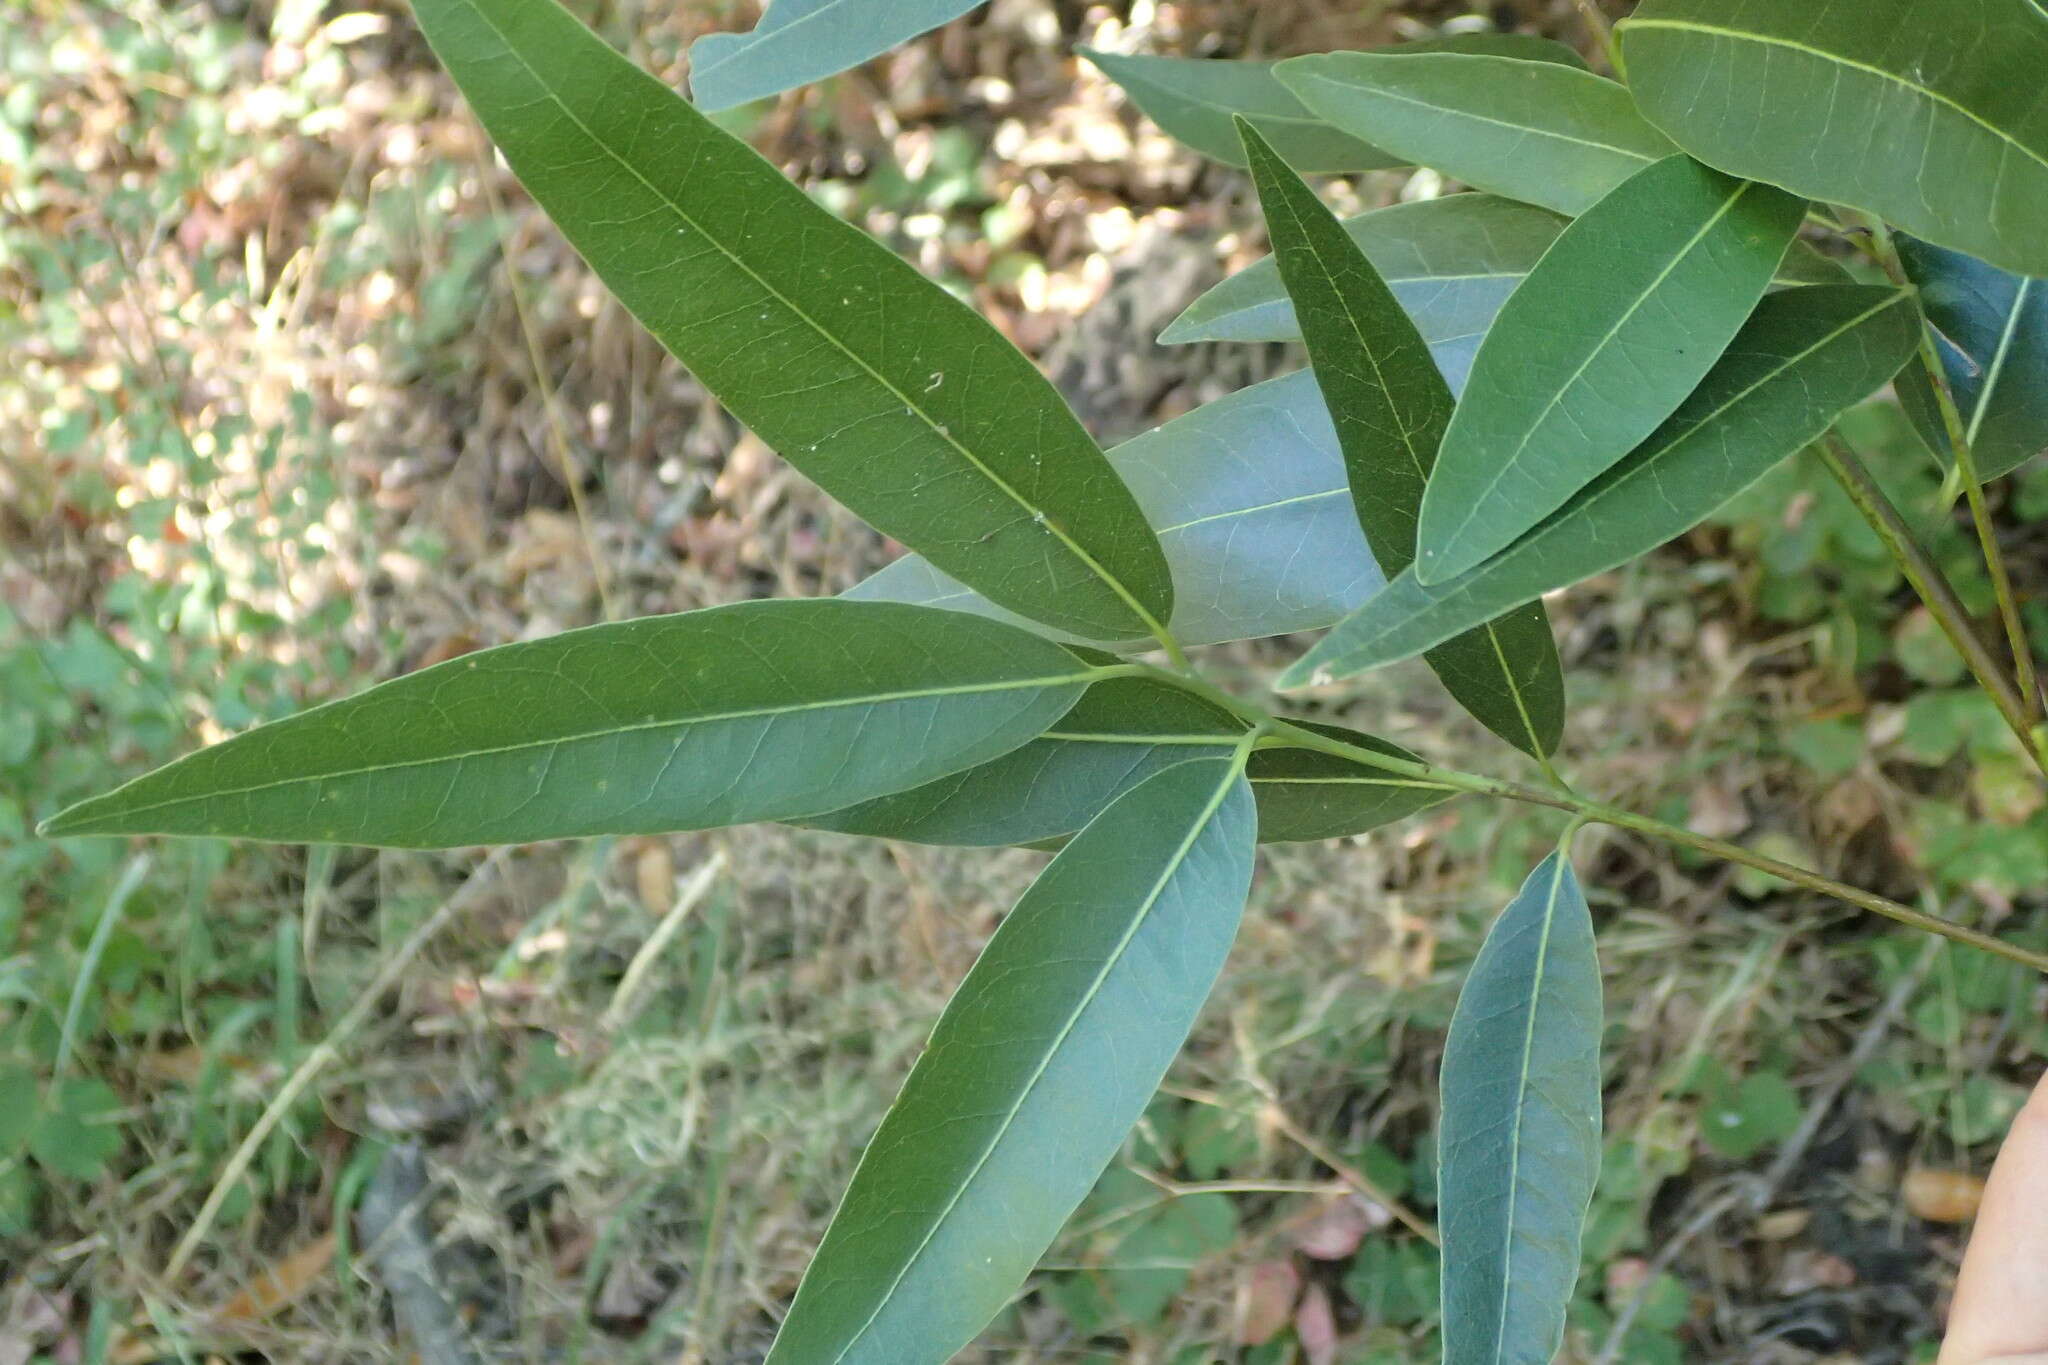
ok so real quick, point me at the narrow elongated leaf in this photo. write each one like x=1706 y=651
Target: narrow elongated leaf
x=894 y=396
x=1803 y=358
x=1519 y=1137
x=1250 y=500
x=1536 y=131
x=800 y=41
x=1930 y=113
x=1045 y=1057
x=1194 y=99
x=1120 y=733
x=1452 y=262
x=1991 y=330
x=1615 y=325
x=759 y=711
x=1391 y=407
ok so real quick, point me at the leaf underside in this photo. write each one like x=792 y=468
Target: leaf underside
x=1043 y=1060
x=1519 y=1136
x=801 y=41
x=1991 y=331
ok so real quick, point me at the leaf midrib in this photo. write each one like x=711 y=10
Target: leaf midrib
x=1536 y=986
x=1598 y=349
x=1771 y=40
x=910 y=404
x=609 y=732
x=1144 y=912
x=1996 y=370
x=755 y=38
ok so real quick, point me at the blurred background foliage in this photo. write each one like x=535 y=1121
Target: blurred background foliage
x=299 y=392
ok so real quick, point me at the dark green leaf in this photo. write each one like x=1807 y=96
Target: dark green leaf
x=759 y=711
x=1991 y=331
x=1536 y=131
x=1249 y=497
x=1520 y=1132
x=800 y=41
x=1619 y=321
x=1306 y=795
x=1804 y=357
x=1928 y=113
x=1047 y=1054
x=894 y=396
x=1391 y=407
x=1194 y=99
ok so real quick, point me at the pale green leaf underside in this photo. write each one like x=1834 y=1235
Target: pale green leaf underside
x=1539 y=132
x=759 y=711
x=1519 y=1136
x=894 y=396
x=800 y=41
x=1804 y=357
x=1120 y=733
x=1391 y=406
x=1046 y=1056
x=1253 y=510
x=1620 y=319
x=1932 y=114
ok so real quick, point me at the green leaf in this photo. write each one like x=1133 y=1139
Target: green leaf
x=1306 y=795
x=758 y=711
x=1120 y=733
x=79 y=1132
x=1737 y=1121
x=1804 y=357
x=894 y=396
x=19 y=1100
x=1991 y=331
x=800 y=41
x=1194 y=100
x=1619 y=321
x=1536 y=131
x=1045 y=1057
x=1520 y=1133
x=1252 y=508
x=1927 y=113
x=1452 y=262
x=1391 y=407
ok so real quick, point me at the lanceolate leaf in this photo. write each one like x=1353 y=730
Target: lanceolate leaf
x=1045 y=1057
x=1120 y=733
x=800 y=41
x=1391 y=407
x=895 y=397
x=1519 y=1137
x=1194 y=99
x=1930 y=113
x=1452 y=262
x=1804 y=357
x=1991 y=330
x=760 y=711
x=1250 y=500
x=1608 y=334
x=1535 y=131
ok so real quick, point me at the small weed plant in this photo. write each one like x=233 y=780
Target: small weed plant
x=1660 y=288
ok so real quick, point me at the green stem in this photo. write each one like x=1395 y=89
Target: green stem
x=1887 y=256
x=1932 y=586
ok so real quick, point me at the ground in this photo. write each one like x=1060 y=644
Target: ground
x=301 y=393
